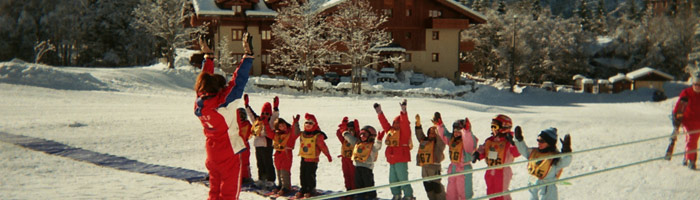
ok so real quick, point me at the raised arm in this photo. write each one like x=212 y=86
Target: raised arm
x=382 y=119
x=252 y=116
x=420 y=135
x=405 y=125
x=341 y=128
x=235 y=87
x=275 y=111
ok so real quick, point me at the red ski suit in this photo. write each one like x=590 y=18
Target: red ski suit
x=498 y=180
x=691 y=120
x=283 y=159
x=217 y=113
x=402 y=152
x=346 y=157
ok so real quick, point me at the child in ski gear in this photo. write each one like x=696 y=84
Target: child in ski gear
x=311 y=144
x=284 y=138
x=498 y=149
x=365 y=152
x=346 y=151
x=462 y=144
x=263 y=130
x=216 y=109
x=430 y=154
x=548 y=170
x=398 y=150
x=245 y=131
x=689 y=118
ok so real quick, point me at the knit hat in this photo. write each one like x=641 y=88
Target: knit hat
x=310 y=117
x=695 y=77
x=267 y=108
x=549 y=136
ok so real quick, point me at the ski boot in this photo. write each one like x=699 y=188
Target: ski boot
x=691 y=165
x=685 y=162
x=409 y=198
x=396 y=197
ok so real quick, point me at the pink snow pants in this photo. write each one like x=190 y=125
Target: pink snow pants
x=498 y=180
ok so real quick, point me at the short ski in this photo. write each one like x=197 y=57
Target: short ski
x=674 y=136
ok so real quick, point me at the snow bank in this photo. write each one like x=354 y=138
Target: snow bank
x=21 y=73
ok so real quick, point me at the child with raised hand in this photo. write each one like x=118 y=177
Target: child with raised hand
x=548 y=170
x=462 y=144
x=284 y=138
x=245 y=130
x=430 y=154
x=310 y=147
x=498 y=149
x=346 y=149
x=398 y=150
x=263 y=130
x=365 y=152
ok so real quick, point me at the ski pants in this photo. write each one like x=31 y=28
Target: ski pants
x=283 y=163
x=307 y=175
x=245 y=164
x=498 y=180
x=691 y=141
x=266 y=169
x=459 y=187
x=364 y=177
x=434 y=188
x=399 y=172
x=224 y=178
x=284 y=179
x=543 y=193
x=348 y=173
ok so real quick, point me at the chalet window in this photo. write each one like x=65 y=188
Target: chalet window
x=387 y=12
x=236 y=34
x=236 y=9
x=436 y=57
x=408 y=35
x=408 y=12
x=436 y=35
x=265 y=58
x=266 y=34
x=435 y=13
x=407 y=57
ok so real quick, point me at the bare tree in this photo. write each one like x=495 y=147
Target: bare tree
x=42 y=48
x=163 y=19
x=357 y=28
x=300 y=40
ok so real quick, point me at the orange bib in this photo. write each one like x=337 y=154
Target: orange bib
x=456 y=152
x=308 y=147
x=280 y=141
x=392 y=139
x=495 y=152
x=362 y=151
x=425 y=153
x=541 y=168
x=258 y=128
x=346 y=149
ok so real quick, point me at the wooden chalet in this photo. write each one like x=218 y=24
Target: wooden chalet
x=425 y=32
x=647 y=77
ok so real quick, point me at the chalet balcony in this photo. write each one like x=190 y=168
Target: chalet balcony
x=450 y=23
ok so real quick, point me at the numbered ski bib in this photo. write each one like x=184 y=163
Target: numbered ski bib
x=392 y=139
x=456 y=152
x=308 y=147
x=540 y=169
x=347 y=149
x=425 y=153
x=280 y=141
x=362 y=151
x=258 y=128
x=495 y=152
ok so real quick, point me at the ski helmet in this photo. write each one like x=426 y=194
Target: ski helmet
x=503 y=121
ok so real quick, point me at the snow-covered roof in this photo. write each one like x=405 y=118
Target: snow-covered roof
x=616 y=78
x=261 y=10
x=208 y=7
x=603 y=81
x=389 y=49
x=646 y=71
x=469 y=10
x=578 y=76
x=587 y=81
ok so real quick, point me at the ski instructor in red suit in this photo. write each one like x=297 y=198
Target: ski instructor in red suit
x=216 y=107
x=690 y=118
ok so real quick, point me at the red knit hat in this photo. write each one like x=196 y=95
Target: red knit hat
x=310 y=117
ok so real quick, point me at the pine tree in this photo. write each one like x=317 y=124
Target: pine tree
x=600 y=18
x=584 y=15
x=501 y=7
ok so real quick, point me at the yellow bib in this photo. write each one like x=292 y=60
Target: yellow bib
x=347 y=149
x=495 y=152
x=392 y=139
x=308 y=147
x=425 y=153
x=280 y=141
x=456 y=152
x=258 y=128
x=541 y=168
x=362 y=151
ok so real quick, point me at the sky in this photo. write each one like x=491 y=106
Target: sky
x=146 y=114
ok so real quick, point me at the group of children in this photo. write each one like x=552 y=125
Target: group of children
x=361 y=146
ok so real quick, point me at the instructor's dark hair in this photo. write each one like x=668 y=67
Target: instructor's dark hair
x=209 y=83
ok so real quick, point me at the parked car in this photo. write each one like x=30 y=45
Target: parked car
x=387 y=74
x=417 y=79
x=548 y=85
x=331 y=77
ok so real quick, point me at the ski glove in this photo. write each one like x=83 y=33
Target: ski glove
x=276 y=103
x=518 y=134
x=437 y=119
x=418 y=120
x=344 y=124
x=475 y=157
x=248 y=44
x=296 y=118
x=566 y=144
x=377 y=108
x=403 y=105
x=245 y=99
